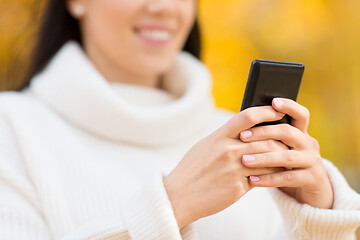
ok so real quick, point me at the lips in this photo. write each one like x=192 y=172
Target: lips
x=154 y=34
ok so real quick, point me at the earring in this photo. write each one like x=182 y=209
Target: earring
x=78 y=10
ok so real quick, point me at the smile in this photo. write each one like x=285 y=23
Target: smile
x=154 y=34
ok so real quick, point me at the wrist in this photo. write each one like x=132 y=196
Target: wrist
x=323 y=197
x=177 y=203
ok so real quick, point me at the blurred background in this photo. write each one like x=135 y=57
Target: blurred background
x=324 y=35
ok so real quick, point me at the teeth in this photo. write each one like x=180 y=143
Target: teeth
x=156 y=35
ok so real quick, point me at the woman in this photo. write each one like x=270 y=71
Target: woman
x=115 y=136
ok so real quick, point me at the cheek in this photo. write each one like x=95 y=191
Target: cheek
x=108 y=33
x=188 y=16
x=108 y=20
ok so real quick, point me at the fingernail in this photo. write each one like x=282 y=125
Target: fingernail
x=254 y=178
x=246 y=134
x=278 y=102
x=248 y=158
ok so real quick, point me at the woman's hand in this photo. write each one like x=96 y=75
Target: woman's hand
x=306 y=179
x=211 y=177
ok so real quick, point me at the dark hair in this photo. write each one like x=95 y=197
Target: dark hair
x=58 y=26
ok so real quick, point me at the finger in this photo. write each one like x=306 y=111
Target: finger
x=300 y=114
x=249 y=118
x=287 y=159
x=235 y=149
x=286 y=133
x=293 y=178
x=262 y=171
x=263 y=147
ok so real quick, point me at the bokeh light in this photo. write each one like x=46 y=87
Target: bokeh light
x=323 y=35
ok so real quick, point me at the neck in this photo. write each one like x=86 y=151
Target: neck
x=115 y=74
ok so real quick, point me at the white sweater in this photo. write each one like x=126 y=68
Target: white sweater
x=81 y=158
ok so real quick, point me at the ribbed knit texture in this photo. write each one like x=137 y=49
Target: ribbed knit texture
x=306 y=222
x=81 y=158
x=147 y=212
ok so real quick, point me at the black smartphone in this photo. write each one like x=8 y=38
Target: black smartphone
x=270 y=79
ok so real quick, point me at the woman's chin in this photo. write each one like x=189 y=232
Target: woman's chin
x=156 y=67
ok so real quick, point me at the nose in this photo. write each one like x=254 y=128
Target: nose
x=162 y=7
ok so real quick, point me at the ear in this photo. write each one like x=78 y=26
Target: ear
x=76 y=8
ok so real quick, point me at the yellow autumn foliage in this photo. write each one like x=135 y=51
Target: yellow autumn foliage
x=324 y=35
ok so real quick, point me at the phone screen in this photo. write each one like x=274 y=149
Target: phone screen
x=270 y=79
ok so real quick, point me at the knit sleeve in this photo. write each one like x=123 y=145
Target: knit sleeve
x=306 y=222
x=20 y=215
x=146 y=215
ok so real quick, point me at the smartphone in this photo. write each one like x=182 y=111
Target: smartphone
x=270 y=79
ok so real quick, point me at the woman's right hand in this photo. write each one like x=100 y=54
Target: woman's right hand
x=211 y=176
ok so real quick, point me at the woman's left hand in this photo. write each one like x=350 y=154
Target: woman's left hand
x=304 y=176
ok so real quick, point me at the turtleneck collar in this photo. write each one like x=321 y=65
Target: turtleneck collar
x=72 y=86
